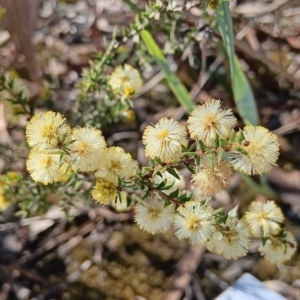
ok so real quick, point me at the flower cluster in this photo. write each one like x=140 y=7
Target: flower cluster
x=226 y=235
x=157 y=192
x=252 y=151
x=265 y=222
x=58 y=151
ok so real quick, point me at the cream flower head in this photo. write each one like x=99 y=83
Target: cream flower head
x=104 y=191
x=209 y=121
x=116 y=163
x=47 y=129
x=210 y=180
x=264 y=218
x=194 y=222
x=46 y=168
x=125 y=80
x=86 y=149
x=278 y=250
x=164 y=140
x=261 y=151
x=232 y=242
x=152 y=216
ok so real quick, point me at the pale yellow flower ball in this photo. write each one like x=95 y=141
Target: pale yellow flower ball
x=86 y=149
x=195 y=222
x=261 y=149
x=210 y=180
x=47 y=129
x=125 y=80
x=209 y=121
x=153 y=216
x=279 y=250
x=104 y=191
x=45 y=167
x=264 y=219
x=116 y=163
x=234 y=240
x=164 y=140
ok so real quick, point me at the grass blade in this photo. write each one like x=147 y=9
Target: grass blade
x=174 y=83
x=242 y=91
x=243 y=96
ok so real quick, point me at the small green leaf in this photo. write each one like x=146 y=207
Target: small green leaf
x=174 y=194
x=191 y=169
x=186 y=197
x=189 y=154
x=173 y=173
x=220 y=156
x=161 y=186
x=157 y=172
x=264 y=240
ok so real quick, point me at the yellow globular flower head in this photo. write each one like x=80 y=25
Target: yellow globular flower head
x=4 y=203
x=45 y=167
x=261 y=151
x=104 y=191
x=115 y=163
x=125 y=80
x=86 y=149
x=195 y=222
x=164 y=140
x=233 y=241
x=213 y=4
x=152 y=216
x=66 y=172
x=209 y=121
x=264 y=218
x=211 y=179
x=47 y=129
x=13 y=176
x=279 y=250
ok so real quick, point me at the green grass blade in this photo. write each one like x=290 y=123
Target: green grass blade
x=174 y=83
x=243 y=96
x=262 y=188
x=224 y=21
x=242 y=91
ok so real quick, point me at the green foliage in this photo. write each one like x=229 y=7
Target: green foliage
x=242 y=90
